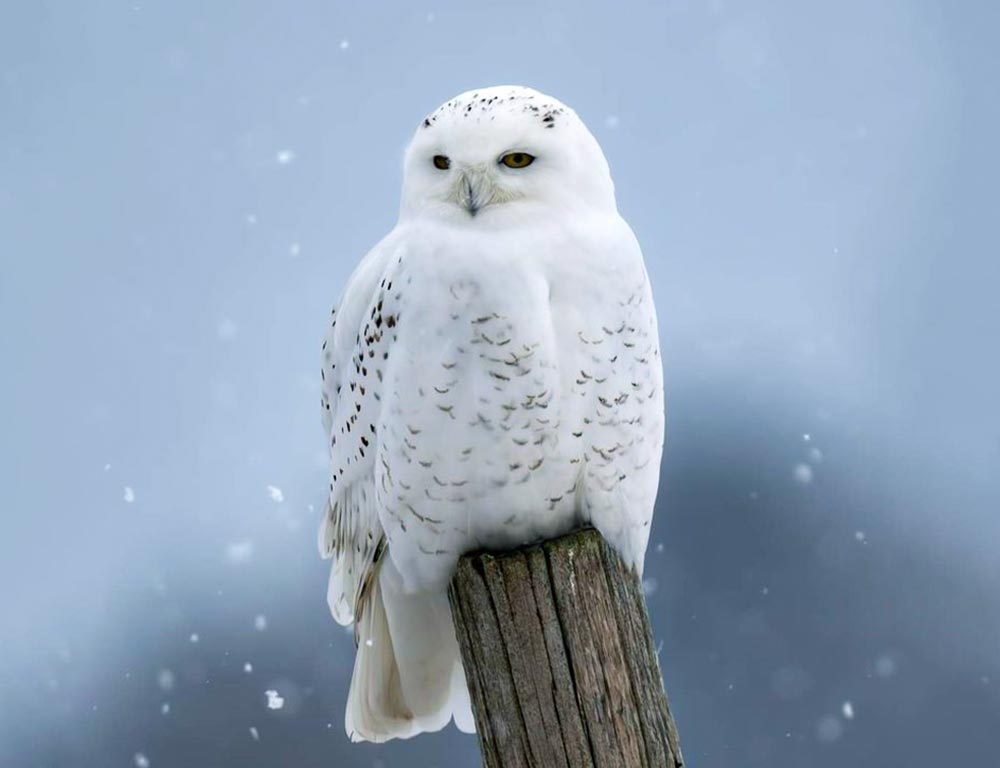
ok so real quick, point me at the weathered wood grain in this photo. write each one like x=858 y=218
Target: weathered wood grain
x=560 y=659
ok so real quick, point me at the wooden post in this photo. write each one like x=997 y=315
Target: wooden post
x=560 y=660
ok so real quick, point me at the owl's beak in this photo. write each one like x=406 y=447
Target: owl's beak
x=474 y=189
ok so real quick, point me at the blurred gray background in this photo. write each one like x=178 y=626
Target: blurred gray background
x=184 y=189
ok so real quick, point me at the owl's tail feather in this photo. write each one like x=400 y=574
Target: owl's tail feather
x=408 y=675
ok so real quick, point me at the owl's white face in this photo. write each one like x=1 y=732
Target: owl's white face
x=503 y=151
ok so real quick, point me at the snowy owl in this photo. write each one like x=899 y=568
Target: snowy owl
x=491 y=377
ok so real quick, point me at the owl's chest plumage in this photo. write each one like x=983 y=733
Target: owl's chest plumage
x=519 y=387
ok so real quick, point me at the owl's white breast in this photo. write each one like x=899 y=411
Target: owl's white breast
x=512 y=368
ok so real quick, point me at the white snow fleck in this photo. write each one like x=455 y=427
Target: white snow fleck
x=649 y=586
x=659 y=548
x=369 y=642
x=861 y=537
x=274 y=701
x=294 y=249
x=226 y=329
x=251 y=218
x=885 y=666
x=284 y=156
x=165 y=679
x=345 y=44
x=248 y=667
x=260 y=622
x=141 y=761
x=765 y=591
x=254 y=734
x=847 y=710
x=611 y=121
x=430 y=18
x=107 y=467
x=239 y=551
x=275 y=493
x=807 y=437
x=829 y=729
x=815 y=455
x=128 y=494
x=803 y=474
x=165 y=708
x=194 y=637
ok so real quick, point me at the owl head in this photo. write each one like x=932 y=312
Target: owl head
x=496 y=154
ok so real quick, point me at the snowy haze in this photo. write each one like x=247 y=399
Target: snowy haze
x=184 y=189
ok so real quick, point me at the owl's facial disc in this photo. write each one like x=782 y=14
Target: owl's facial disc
x=502 y=156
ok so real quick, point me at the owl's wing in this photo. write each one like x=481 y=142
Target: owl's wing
x=354 y=351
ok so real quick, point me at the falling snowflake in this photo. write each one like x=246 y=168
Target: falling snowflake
x=165 y=679
x=611 y=121
x=274 y=701
x=847 y=710
x=275 y=493
x=345 y=44
x=239 y=551
x=260 y=622
x=248 y=667
x=885 y=666
x=165 y=708
x=294 y=249
x=649 y=586
x=284 y=156
x=141 y=761
x=128 y=494
x=194 y=637
x=254 y=734
x=860 y=537
x=803 y=474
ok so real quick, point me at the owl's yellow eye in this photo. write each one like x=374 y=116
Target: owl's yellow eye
x=517 y=159
x=441 y=162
